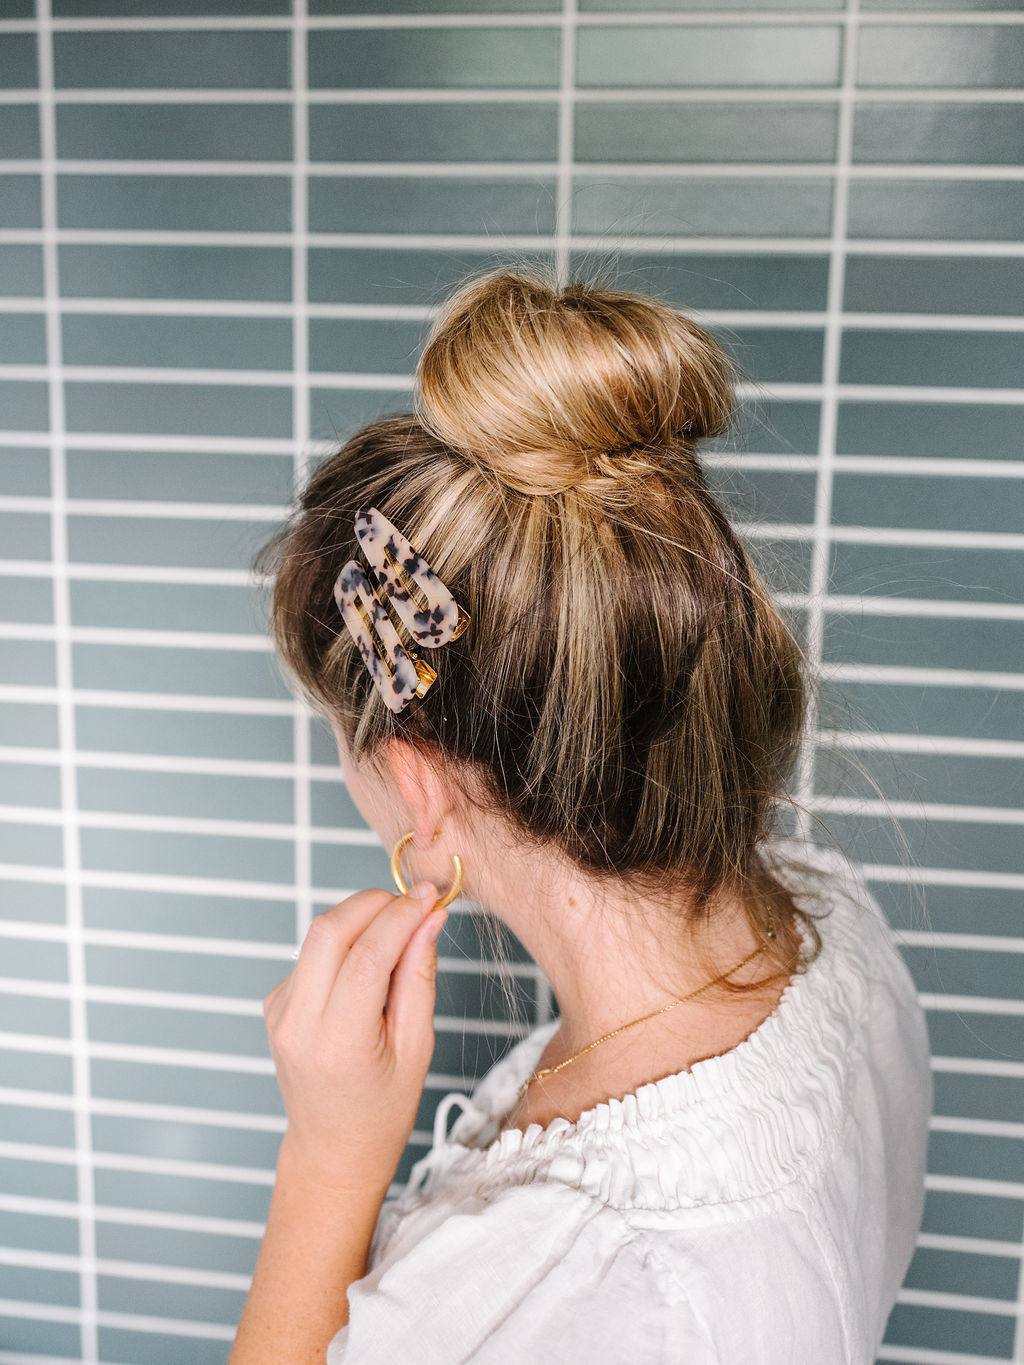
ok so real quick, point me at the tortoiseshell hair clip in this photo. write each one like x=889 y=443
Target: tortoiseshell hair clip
x=409 y=587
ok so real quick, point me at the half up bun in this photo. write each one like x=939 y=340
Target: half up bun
x=569 y=387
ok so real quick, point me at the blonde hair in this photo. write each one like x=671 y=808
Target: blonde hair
x=627 y=694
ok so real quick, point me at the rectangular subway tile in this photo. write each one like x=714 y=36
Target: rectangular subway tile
x=365 y=345
x=191 y=914
x=126 y=1346
x=914 y=642
x=775 y=355
x=130 y=271
x=719 y=280
x=31 y=1123
x=192 y=795
x=995 y=1099
x=35 y=1284
x=18 y=64
x=929 y=571
x=181 y=476
x=31 y=846
x=940 y=210
x=49 y=1073
x=186 y=542
x=956 y=845
x=40 y=1232
x=29 y=724
x=932 y=357
x=25 y=535
x=712 y=132
x=940 y=909
x=98 y=9
x=19 y=129
x=949 y=1329
x=943 y=134
x=42 y=1018
x=392 y=275
x=985 y=713
x=734 y=207
x=935 y=1270
x=161 y=969
x=22 y=339
x=28 y=600
x=155 y=1298
x=182 y=1194
x=188 y=672
x=430 y=7
x=23 y=405
x=980 y=285
x=164 y=606
x=446 y=58
x=24 y=472
x=226 y=1253
x=434 y=132
x=972 y=972
x=220 y=343
x=336 y=414
x=21 y=270
x=976 y=56
x=927 y=430
x=441 y=204
x=235 y=857
x=226 y=59
x=192 y=1087
x=195 y=1031
x=38 y=1180
x=30 y=784
x=950 y=1212
x=28 y=663
x=175 y=203
x=260 y=410
x=199 y=734
x=174 y=132
x=615 y=55
x=928 y=502
x=62 y=1340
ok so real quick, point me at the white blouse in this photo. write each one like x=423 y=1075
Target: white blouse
x=760 y=1208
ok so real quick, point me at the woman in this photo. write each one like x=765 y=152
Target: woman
x=715 y=1152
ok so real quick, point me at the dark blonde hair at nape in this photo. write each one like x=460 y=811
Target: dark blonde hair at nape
x=626 y=695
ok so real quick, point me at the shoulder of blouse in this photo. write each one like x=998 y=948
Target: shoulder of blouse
x=741 y=1126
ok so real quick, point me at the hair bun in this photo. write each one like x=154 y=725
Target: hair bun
x=551 y=387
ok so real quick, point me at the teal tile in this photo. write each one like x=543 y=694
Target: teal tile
x=29 y=724
x=365 y=345
x=168 y=203
x=21 y=270
x=392 y=275
x=236 y=857
x=961 y=133
x=333 y=807
x=35 y=1071
x=225 y=1252
x=88 y=9
x=259 y=274
x=992 y=360
x=182 y=1195
x=773 y=427
x=262 y=410
x=120 y=1346
x=184 y=476
x=972 y=1215
x=190 y=1086
x=59 y=1339
x=962 y=1154
x=950 y=844
x=25 y=535
x=929 y=502
x=957 y=1272
x=712 y=132
x=194 y=915
x=208 y=795
x=35 y=902
x=929 y=571
x=186 y=342
x=30 y=784
x=950 y=1330
x=934 y=284
x=656 y=6
x=966 y=5
x=471 y=1055
x=163 y=606
x=334 y=414
x=174 y=132
x=19 y=9
x=974 y=712
x=434 y=132
x=203 y=672
x=18 y=68
x=19 y=129
x=963 y=971
x=975 y=55
x=421 y=58
x=194 y=1302
x=35 y=959
x=472 y=995
x=24 y=472
x=32 y=1284
x=732 y=207
x=22 y=339
x=23 y=405
x=775 y=354
x=991 y=910
x=990 y=431
x=39 y=1232
x=352 y=866
x=615 y=55
x=201 y=734
x=713 y=280
x=432 y=7
x=431 y=204
x=38 y=1180
x=29 y=600
x=943 y=210
x=919 y=642
x=764 y=495
x=49 y=1019
x=29 y=662
x=229 y=59
x=31 y=845
x=196 y=1031
x=998 y=1099
x=201 y=543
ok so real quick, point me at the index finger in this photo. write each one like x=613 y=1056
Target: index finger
x=327 y=944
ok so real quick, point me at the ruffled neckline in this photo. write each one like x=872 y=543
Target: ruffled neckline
x=733 y=1125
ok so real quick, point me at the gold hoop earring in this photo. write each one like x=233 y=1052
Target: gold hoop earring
x=396 y=871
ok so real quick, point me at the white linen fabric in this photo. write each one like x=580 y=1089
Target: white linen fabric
x=760 y=1208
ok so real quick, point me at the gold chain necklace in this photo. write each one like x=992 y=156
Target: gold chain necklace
x=550 y=1070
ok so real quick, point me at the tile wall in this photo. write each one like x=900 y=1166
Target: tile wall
x=223 y=228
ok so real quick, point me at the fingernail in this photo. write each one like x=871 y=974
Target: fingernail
x=425 y=891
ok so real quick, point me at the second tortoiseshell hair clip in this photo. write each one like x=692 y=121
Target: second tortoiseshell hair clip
x=407 y=586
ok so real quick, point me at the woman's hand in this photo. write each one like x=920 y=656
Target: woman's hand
x=351 y=1031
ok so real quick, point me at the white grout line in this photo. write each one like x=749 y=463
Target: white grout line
x=71 y=848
